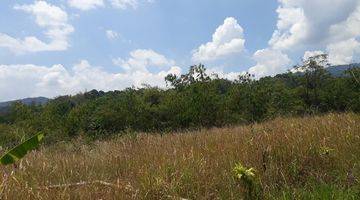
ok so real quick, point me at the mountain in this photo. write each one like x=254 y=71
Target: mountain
x=5 y=106
x=339 y=70
x=335 y=70
x=27 y=101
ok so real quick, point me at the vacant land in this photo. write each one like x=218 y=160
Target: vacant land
x=294 y=158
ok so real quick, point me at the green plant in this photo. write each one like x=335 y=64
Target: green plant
x=247 y=178
x=22 y=149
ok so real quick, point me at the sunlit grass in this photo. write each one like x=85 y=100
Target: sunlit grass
x=294 y=158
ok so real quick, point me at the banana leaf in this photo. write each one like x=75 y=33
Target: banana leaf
x=22 y=149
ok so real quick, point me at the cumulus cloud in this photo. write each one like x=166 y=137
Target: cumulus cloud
x=85 y=4
x=221 y=73
x=47 y=16
x=309 y=54
x=228 y=39
x=343 y=52
x=333 y=27
x=318 y=24
x=269 y=62
x=141 y=59
x=19 y=81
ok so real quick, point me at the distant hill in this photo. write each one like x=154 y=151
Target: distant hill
x=5 y=106
x=339 y=70
x=336 y=70
x=27 y=101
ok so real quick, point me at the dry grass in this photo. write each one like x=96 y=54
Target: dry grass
x=287 y=154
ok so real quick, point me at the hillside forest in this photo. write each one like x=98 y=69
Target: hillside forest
x=193 y=100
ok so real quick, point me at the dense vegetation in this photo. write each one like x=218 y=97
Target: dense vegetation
x=292 y=158
x=217 y=144
x=195 y=100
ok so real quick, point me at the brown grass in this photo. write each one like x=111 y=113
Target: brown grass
x=287 y=153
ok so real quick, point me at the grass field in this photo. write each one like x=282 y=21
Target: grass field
x=294 y=158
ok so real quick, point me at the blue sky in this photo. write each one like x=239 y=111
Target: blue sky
x=51 y=48
x=173 y=28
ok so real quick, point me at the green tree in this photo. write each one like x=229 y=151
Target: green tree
x=313 y=79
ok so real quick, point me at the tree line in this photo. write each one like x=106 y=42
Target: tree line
x=195 y=100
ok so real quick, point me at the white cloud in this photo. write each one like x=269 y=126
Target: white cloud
x=228 y=39
x=318 y=24
x=85 y=4
x=141 y=59
x=343 y=52
x=124 y=4
x=47 y=16
x=222 y=74
x=269 y=63
x=19 y=81
x=332 y=27
x=111 y=35
x=291 y=28
x=309 y=54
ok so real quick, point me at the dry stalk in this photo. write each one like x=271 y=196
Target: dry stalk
x=86 y=183
x=6 y=177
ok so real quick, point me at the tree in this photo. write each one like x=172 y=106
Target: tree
x=313 y=79
x=197 y=73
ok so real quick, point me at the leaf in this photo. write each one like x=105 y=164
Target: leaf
x=22 y=149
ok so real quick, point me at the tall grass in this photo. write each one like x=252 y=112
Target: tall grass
x=294 y=158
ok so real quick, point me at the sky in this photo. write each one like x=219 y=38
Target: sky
x=61 y=47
